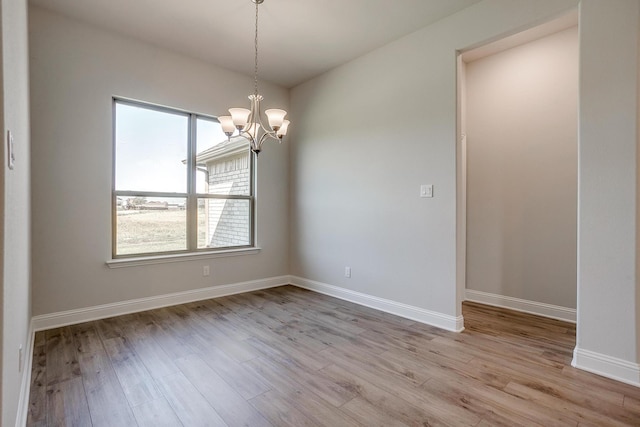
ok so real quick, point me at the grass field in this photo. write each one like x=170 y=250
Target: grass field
x=147 y=231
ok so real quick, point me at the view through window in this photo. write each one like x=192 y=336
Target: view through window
x=179 y=184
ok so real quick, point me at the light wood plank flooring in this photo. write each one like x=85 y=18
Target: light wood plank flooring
x=289 y=357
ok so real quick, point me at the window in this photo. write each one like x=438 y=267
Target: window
x=178 y=185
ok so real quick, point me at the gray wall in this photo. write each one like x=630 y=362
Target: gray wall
x=14 y=204
x=608 y=303
x=370 y=132
x=367 y=135
x=522 y=123
x=76 y=69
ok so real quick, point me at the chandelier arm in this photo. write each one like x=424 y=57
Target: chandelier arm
x=259 y=115
x=264 y=136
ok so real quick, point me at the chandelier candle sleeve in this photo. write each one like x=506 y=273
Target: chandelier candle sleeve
x=249 y=123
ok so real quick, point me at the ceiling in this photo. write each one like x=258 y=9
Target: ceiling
x=298 y=39
x=562 y=22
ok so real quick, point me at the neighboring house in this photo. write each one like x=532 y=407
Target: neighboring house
x=227 y=166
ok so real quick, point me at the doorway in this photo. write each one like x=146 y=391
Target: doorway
x=517 y=171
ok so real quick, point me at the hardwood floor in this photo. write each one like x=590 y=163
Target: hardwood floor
x=290 y=357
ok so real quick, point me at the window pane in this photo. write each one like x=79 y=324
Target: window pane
x=150 y=224
x=223 y=166
x=151 y=150
x=224 y=223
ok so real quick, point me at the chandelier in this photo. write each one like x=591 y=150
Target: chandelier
x=248 y=122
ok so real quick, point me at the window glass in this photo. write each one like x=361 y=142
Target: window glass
x=151 y=224
x=158 y=207
x=223 y=223
x=151 y=149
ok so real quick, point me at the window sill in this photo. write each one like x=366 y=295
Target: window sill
x=192 y=256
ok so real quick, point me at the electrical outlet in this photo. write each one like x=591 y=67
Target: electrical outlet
x=205 y=270
x=347 y=272
x=20 y=358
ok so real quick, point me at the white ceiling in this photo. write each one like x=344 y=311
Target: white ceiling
x=570 y=19
x=299 y=39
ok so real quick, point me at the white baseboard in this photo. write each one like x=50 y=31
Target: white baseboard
x=517 y=304
x=25 y=386
x=71 y=317
x=450 y=323
x=606 y=366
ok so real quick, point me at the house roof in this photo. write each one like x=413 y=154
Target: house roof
x=235 y=145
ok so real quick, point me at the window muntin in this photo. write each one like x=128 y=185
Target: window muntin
x=179 y=185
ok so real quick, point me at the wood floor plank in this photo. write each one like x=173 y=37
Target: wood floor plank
x=278 y=410
x=156 y=413
x=597 y=382
x=62 y=361
x=466 y=396
x=228 y=403
x=261 y=326
x=210 y=311
x=579 y=413
x=278 y=349
x=288 y=356
x=632 y=404
x=136 y=382
x=399 y=386
x=110 y=327
x=320 y=411
x=380 y=399
x=499 y=401
x=555 y=385
x=235 y=304
x=288 y=378
x=234 y=348
x=406 y=370
x=107 y=402
x=189 y=405
x=67 y=404
x=239 y=376
x=153 y=356
x=371 y=415
x=170 y=333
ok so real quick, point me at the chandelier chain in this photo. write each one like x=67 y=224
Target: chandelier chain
x=248 y=122
x=255 y=70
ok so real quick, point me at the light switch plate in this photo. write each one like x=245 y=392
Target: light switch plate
x=426 y=190
x=11 y=155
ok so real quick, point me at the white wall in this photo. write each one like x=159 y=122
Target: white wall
x=367 y=135
x=16 y=306
x=608 y=311
x=522 y=123
x=75 y=71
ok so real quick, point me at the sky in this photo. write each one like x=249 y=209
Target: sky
x=151 y=146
